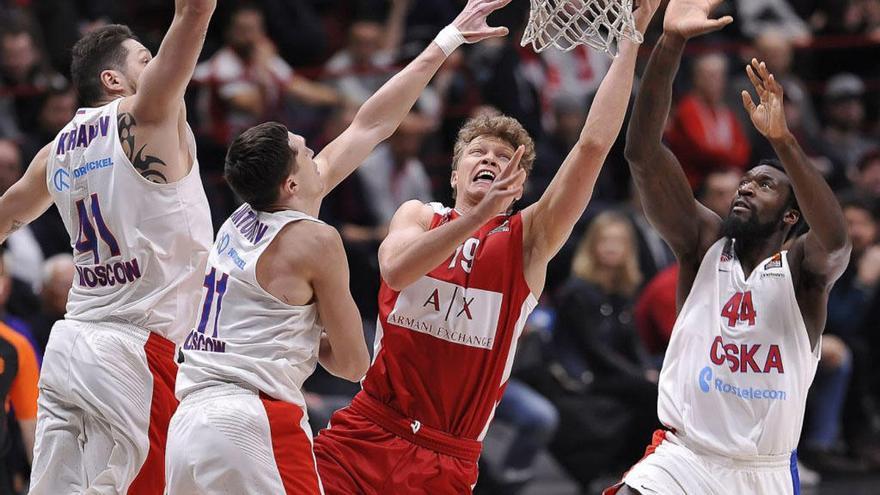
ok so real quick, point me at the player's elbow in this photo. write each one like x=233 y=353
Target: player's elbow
x=357 y=366
x=841 y=246
x=396 y=280
x=393 y=274
x=635 y=152
x=591 y=144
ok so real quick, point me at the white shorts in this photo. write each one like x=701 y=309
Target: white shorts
x=226 y=439
x=106 y=397
x=673 y=469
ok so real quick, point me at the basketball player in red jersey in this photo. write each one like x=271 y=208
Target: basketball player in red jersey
x=457 y=286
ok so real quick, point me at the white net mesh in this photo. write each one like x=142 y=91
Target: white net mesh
x=565 y=24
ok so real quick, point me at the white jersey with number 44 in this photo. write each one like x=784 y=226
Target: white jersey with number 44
x=736 y=374
x=243 y=334
x=140 y=248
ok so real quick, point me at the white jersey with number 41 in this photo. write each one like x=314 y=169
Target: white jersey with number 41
x=140 y=248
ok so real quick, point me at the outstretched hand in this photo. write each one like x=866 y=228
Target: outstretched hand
x=643 y=12
x=472 y=20
x=690 y=18
x=506 y=188
x=768 y=116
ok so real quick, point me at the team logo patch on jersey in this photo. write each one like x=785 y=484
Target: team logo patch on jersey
x=775 y=262
x=709 y=383
x=223 y=243
x=725 y=256
x=61 y=180
x=705 y=379
x=461 y=315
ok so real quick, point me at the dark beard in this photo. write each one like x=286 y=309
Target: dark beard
x=749 y=229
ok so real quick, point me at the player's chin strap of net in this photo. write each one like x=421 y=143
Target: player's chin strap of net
x=565 y=24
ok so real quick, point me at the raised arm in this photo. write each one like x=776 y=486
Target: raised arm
x=825 y=249
x=161 y=87
x=28 y=198
x=380 y=116
x=343 y=351
x=661 y=184
x=411 y=250
x=395 y=26
x=548 y=222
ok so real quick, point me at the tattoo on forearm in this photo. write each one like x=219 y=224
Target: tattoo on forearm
x=146 y=165
x=15 y=226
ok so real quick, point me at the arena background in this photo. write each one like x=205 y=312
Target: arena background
x=582 y=402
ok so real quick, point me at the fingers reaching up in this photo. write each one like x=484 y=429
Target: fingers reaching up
x=472 y=20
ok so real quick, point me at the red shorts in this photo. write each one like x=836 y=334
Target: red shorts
x=371 y=449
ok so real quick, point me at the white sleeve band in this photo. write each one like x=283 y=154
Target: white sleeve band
x=449 y=39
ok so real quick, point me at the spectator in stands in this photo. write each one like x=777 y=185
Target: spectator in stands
x=15 y=322
x=569 y=115
x=845 y=352
x=704 y=132
x=534 y=420
x=827 y=395
x=758 y=16
x=863 y=17
x=57 y=108
x=866 y=178
x=844 y=120
x=394 y=173
x=366 y=62
x=594 y=329
x=501 y=75
x=23 y=250
x=654 y=254
x=247 y=81
x=19 y=375
x=25 y=72
x=574 y=74
x=58 y=274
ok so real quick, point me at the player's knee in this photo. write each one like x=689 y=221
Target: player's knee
x=540 y=416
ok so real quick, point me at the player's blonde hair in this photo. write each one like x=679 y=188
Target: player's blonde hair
x=501 y=127
x=628 y=276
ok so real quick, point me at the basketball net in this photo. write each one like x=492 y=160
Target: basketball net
x=599 y=24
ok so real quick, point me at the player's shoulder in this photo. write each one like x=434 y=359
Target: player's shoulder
x=414 y=206
x=304 y=246
x=41 y=159
x=307 y=239
x=414 y=211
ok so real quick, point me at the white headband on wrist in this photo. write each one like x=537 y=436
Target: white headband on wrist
x=449 y=39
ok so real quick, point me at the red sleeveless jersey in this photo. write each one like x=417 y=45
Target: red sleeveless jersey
x=445 y=344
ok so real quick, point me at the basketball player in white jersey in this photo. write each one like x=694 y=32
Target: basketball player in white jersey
x=124 y=176
x=276 y=298
x=752 y=301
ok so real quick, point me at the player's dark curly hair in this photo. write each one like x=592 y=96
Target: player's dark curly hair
x=257 y=162
x=94 y=53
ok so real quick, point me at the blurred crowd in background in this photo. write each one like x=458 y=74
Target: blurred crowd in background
x=585 y=379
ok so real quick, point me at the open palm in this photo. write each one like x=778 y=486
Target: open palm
x=472 y=20
x=689 y=18
x=768 y=116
